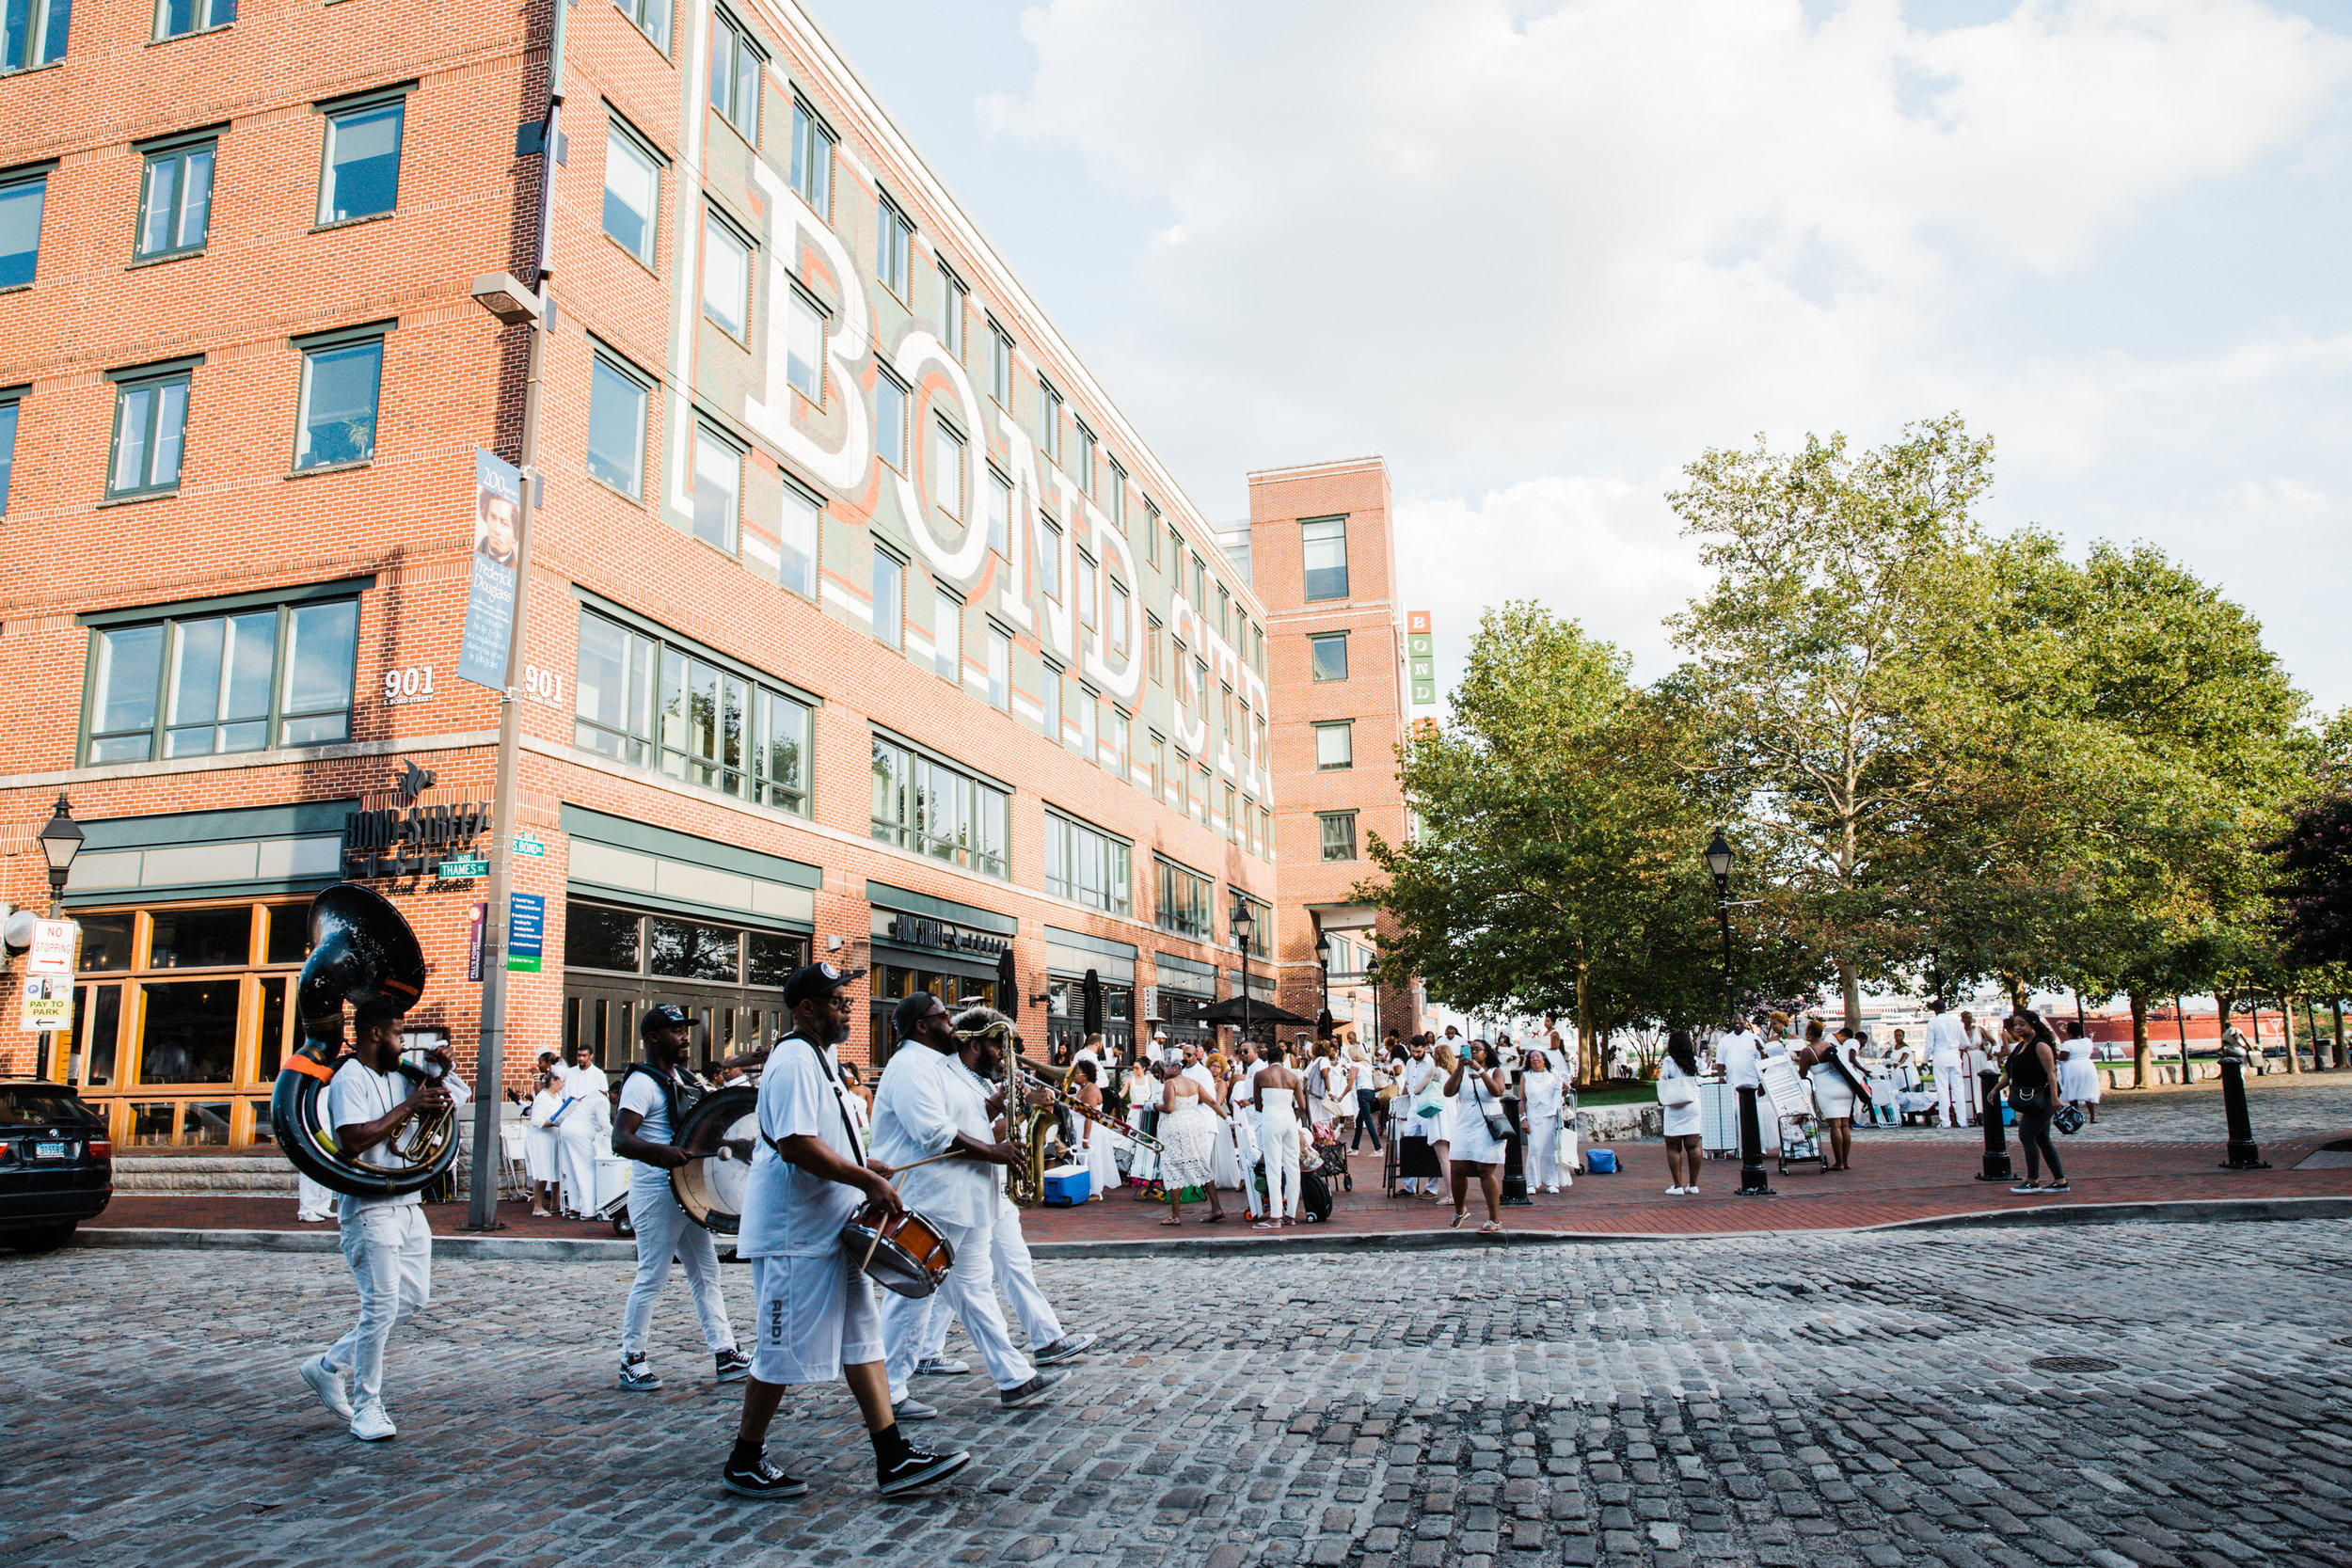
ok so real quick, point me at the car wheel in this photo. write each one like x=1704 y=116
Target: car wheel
x=47 y=1239
x=620 y=1223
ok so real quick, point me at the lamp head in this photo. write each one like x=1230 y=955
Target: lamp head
x=1718 y=857
x=60 y=840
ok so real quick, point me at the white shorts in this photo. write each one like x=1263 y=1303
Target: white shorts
x=812 y=1317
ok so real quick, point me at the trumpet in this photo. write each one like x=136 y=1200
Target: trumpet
x=1033 y=1077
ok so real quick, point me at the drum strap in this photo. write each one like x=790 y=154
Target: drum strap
x=846 y=1125
x=680 y=1096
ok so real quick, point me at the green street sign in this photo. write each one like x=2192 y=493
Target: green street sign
x=529 y=844
x=458 y=871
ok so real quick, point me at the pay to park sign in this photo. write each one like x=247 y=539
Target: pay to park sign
x=49 y=978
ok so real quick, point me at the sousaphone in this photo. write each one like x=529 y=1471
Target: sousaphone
x=364 y=954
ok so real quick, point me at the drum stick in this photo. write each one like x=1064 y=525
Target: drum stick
x=928 y=1159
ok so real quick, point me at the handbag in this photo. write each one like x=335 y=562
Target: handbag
x=1498 y=1125
x=1678 y=1091
x=2030 y=1099
x=2069 y=1120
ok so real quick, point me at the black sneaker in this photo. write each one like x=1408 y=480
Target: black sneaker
x=916 y=1469
x=1036 y=1392
x=1068 y=1348
x=733 y=1366
x=759 y=1479
x=636 y=1373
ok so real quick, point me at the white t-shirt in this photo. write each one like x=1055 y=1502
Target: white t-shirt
x=642 y=1095
x=925 y=1098
x=1945 y=1037
x=1198 y=1073
x=788 y=1212
x=359 y=1093
x=1742 y=1056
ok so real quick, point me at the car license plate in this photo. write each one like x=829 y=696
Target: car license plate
x=51 y=1152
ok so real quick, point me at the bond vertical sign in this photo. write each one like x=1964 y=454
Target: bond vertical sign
x=1421 y=658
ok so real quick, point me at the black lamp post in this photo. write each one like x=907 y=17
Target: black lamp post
x=1245 y=925
x=1718 y=856
x=1753 y=1181
x=1322 y=962
x=61 y=841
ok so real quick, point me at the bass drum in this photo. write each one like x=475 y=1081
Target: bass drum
x=722 y=1131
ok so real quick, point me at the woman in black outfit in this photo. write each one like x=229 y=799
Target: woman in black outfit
x=2030 y=1076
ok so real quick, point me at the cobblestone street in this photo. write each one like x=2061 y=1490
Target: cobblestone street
x=1778 y=1399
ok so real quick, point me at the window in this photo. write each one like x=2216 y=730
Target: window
x=1262 y=925
x=998 y=499
x=1049 y=418
x=1335 y=745
x=797 y=541
x=1053 y=701
x=999 y=365
x=205 y=685
x=1175 y=560
x=1151 y=532
x=21 y=203
x=1184 y=900
x=1090 y=706
x=33 y=33
x=1224 y=614
x=1330 y=653
x=947 y=635
x=1086 y=866
x=176 y=201
x=804 y=346
x=362 y=169
x=1084 y=468
x=1325 y=544
x=632 y=192
x=1338 y=830
x=1119 y=497
x=178 y=18
x=655 y=703
x=337 y=420
x=651 y=17
x=1085 y=591
x=1049 y=564
x=1152 y=647
x=894 y=246
x=727 y=277
x=890 y=419
x=812 y=159
x=9 y=407
x=1200 y=585
x=1233 y=816
x=1155 y=759
x=940 y=811
x=1119 y=620
x=718 y=488
x=616 y=428
x=735 y=63
x=1200 y=792
x=999 y=671
x=1121 y=733
x=953 y=299
x=947 y=468
x=151 y=422
x=890 y=575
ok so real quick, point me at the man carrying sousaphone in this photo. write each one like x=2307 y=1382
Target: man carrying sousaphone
x=934 y=1100
x=653 y=1107
x=813 y=1305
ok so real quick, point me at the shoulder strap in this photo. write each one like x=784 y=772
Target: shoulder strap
x=831 y=1078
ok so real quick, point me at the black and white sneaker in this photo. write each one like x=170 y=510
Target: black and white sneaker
x=639 y=1374
x=916 y=1469
x=1067 y=1348
x=760 y=1479
x=940 y=1365
x=733 y=1366
x=1036 y=1392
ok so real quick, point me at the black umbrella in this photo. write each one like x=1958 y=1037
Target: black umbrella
x=1007 y=986
x=1229 y=1011
x=1090 y=1007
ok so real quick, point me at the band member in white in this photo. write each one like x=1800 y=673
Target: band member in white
x=1948 y=1044
x=385 y=1240
x=652 y=1105
x=813 y=1307
x=933 y=1101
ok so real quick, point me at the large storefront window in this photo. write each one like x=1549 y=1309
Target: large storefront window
x=1085 y=864
x=180 y=1018
x=655 y=704
x=1184 y=901
x=893 y=983
x=617 y=963
x=200 y=685
x=932 y=809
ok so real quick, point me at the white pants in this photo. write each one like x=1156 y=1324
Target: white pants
x=1543 y=1153
x=578 y=1146
x=1279 y=1146
x=1015 y=1274
x=312 y=1202
x=1249 y=1129
x=663 y=1231
x=969 y=1291
x=1954 y=1093
x=390 y=1249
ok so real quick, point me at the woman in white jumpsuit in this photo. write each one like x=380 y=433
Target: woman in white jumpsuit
x=1541 y=1096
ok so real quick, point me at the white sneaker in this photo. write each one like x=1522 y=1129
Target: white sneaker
x=1552 y=1188
x=1674 y=1192
x=371 y=1425
x=328 y=1384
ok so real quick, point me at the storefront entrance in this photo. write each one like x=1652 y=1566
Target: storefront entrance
x=617 y=963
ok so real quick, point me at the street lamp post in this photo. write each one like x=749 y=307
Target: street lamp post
x=1753 y=1181
x=1322 y=963
x=61 y=841
x=1245 y=927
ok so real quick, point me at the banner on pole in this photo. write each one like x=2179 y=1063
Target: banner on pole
x=477 y=928
x=526 y=927
x=497 y=511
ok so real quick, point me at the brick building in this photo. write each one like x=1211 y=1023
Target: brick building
x=830 y=518
x=1322 y=556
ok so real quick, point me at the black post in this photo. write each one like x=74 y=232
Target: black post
x=1996 y=1165
x=1753 y=1181
x=1723 y=914
x=2243 y=1155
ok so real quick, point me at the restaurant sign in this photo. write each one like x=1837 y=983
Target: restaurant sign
x=917 y=930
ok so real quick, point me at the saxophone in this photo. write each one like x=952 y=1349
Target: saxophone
x=1035 y=1128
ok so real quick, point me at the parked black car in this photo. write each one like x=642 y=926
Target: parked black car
x=57 y=1164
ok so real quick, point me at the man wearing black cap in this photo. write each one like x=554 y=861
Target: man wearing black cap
x=654 y=1100
x=815 y=1316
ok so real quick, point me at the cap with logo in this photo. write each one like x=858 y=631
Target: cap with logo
x=813 y=981
x=668 y=1015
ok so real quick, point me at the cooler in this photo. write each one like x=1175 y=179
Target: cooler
x=1068 y=1184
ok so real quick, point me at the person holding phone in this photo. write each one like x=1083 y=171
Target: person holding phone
x=1480 y=1134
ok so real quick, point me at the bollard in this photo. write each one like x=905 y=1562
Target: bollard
x=2243 y=1154
x=1753 y=1181
x=1996 y=1166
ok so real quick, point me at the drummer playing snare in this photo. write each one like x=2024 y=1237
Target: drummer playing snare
x=644 y=1130
x=814 y=1307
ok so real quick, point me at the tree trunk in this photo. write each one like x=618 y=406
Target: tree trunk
x=2140 y=1069
x=1850 y=982
x=1587 y=1049
x=2335 y=1007
x=2286 y=1023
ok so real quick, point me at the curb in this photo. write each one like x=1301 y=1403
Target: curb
x=504 y=1249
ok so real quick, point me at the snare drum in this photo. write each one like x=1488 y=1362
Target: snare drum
x=909 y=1255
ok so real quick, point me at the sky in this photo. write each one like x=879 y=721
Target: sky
x=1539 y=256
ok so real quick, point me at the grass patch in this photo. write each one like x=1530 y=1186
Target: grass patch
x=1617 y=1094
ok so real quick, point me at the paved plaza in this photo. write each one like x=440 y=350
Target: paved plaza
x=1824 y=1399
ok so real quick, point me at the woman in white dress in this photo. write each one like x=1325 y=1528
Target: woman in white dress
x=1098 y=1143
x=1477 y=1085
x=1188 y=1132
x=543 y=1146
x=580 y=1124
x=2078 y=1072
x=1683 y=1153
x=1141 y=1087
x=1541 y=1097
x=1832 y=1096
x=1224 y=1156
